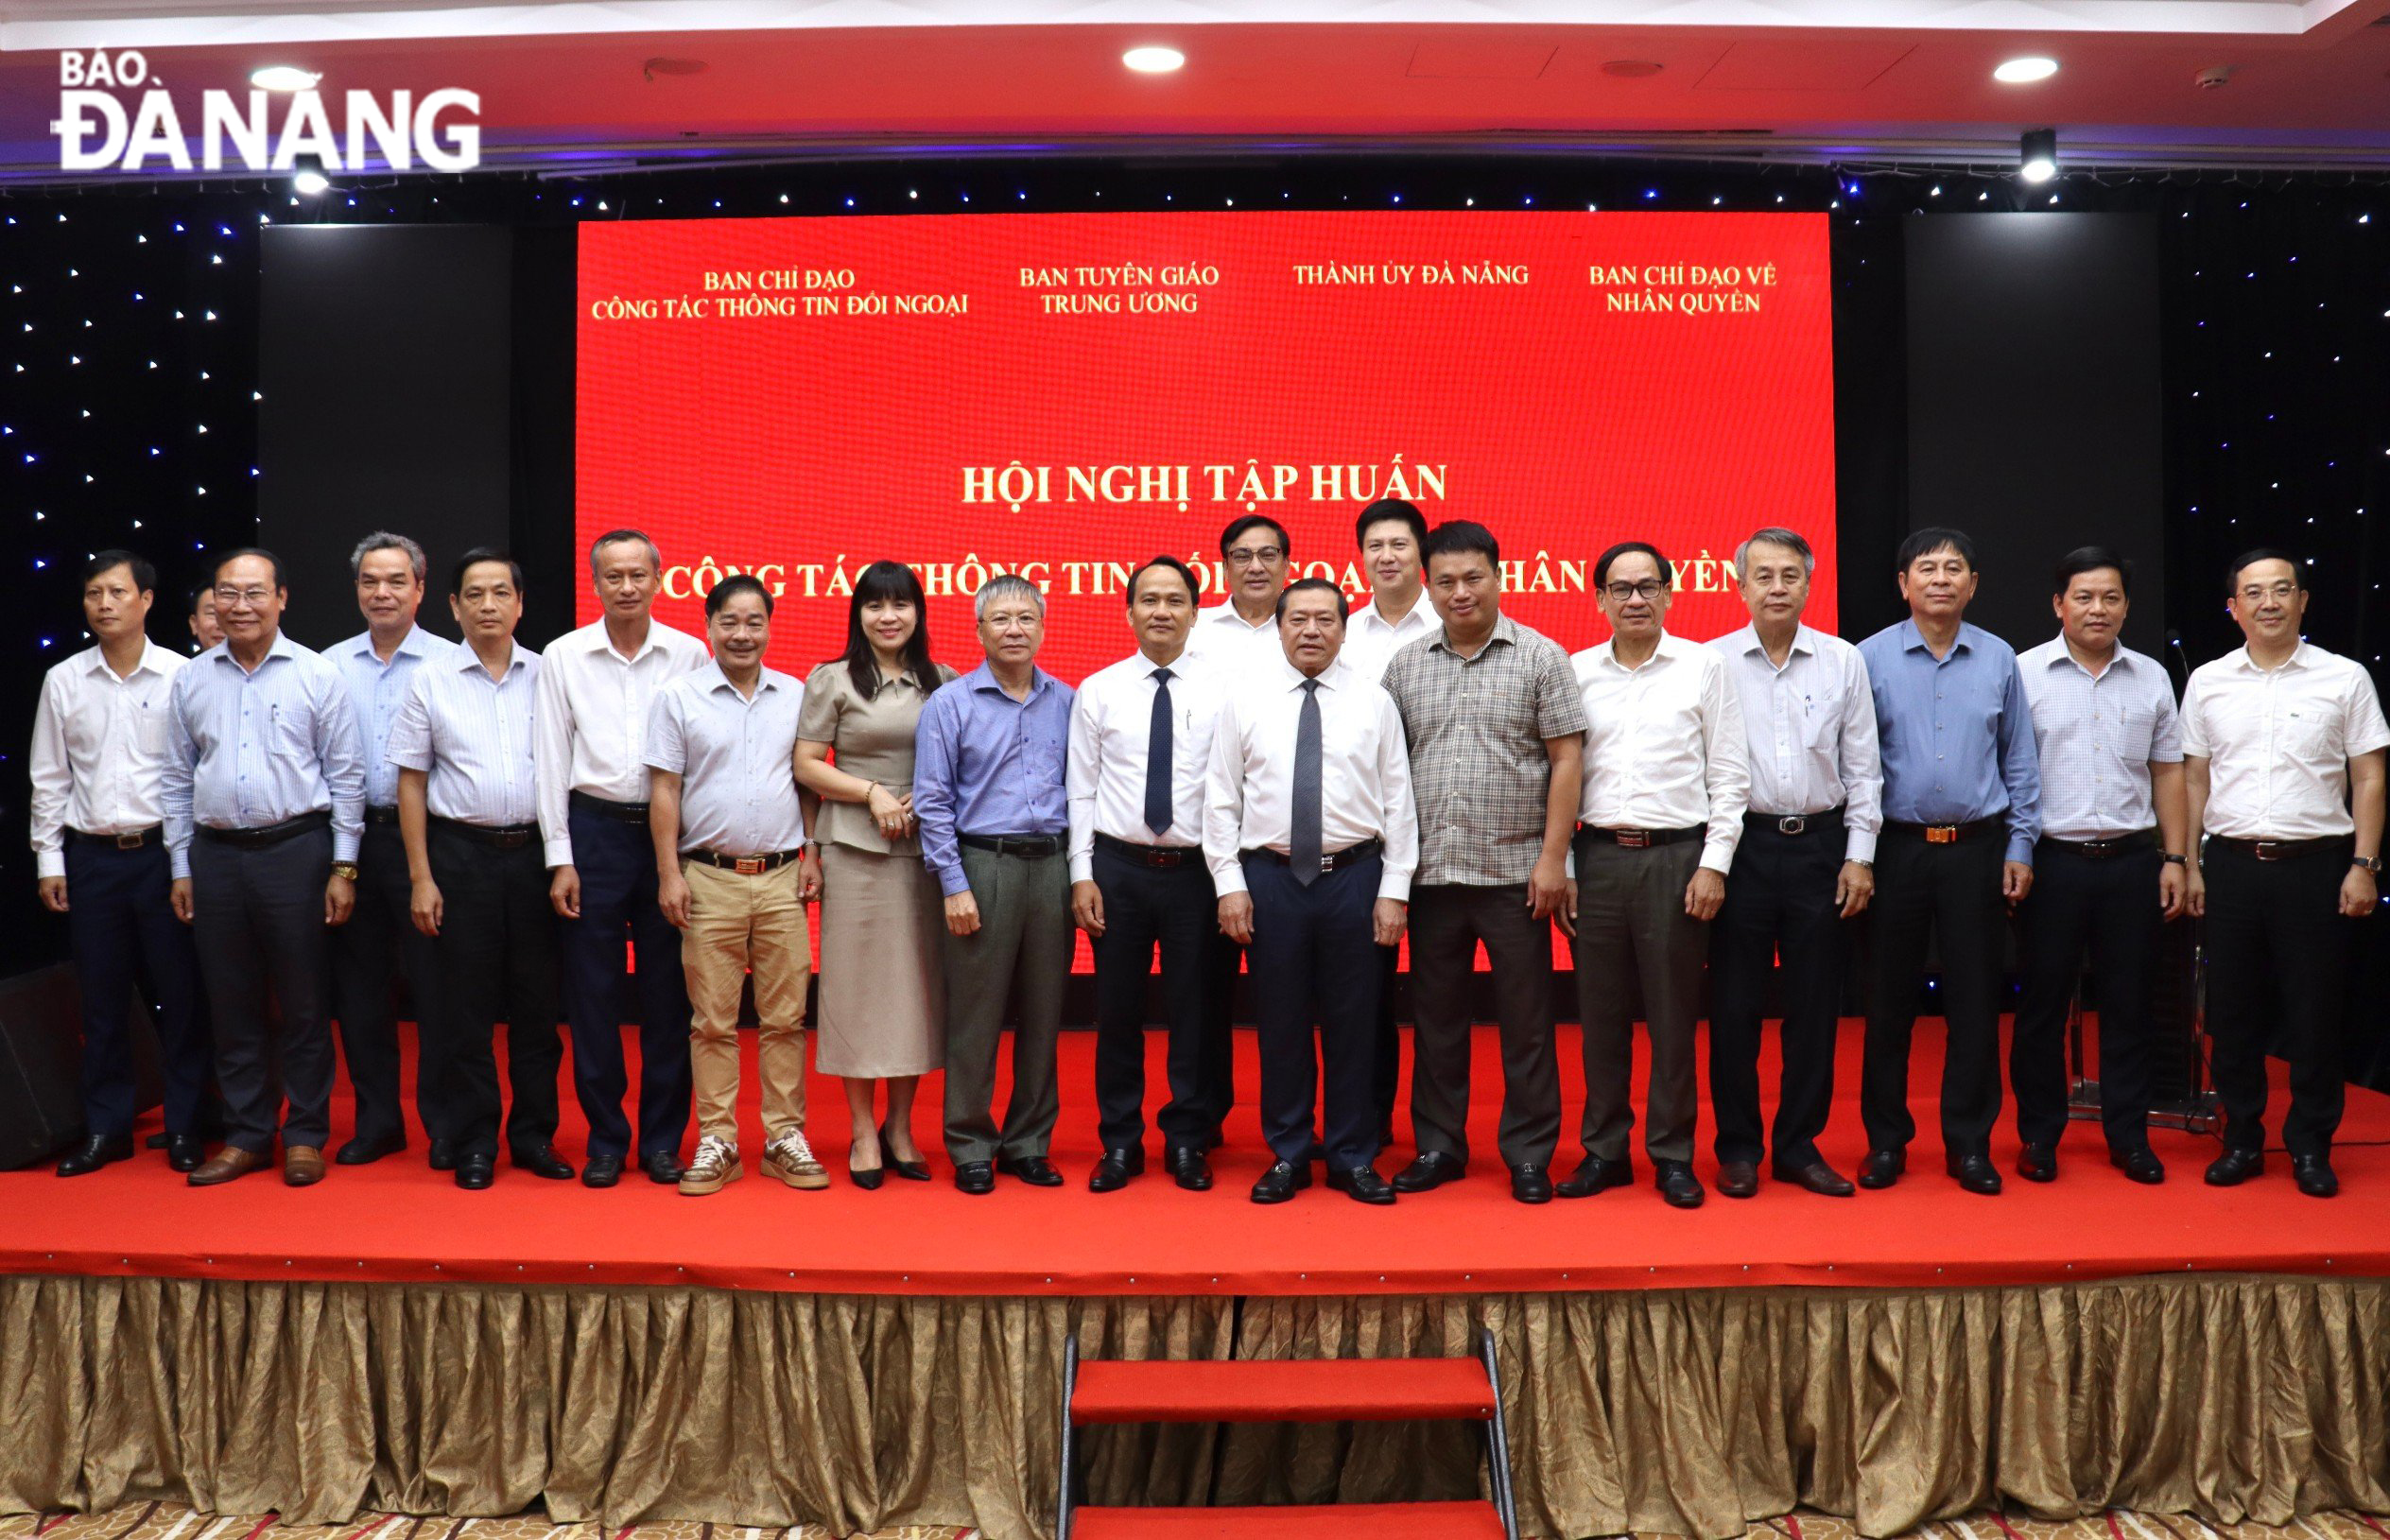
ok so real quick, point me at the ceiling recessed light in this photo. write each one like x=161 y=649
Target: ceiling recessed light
x=1153 y=61
x=284 y=77
x=2025 y=71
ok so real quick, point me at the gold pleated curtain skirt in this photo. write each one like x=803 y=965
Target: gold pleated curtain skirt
x=1682 y=1411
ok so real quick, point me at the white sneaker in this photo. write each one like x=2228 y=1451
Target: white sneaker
x=716 y=1167
x=791 y=1159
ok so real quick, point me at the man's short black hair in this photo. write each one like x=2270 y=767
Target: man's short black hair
x=144 y=577
x=731 y=587
x=1628 y=547
x=1313 y=586
x=1925 y=542
x=474 y=557
x=1395 y=510
x=2247 y=560
x=2085 y=559
x=1252 y=521
x=258 y=551
x=1460 y=537
x=1187 y=575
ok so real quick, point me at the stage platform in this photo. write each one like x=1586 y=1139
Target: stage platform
x=400 y=1221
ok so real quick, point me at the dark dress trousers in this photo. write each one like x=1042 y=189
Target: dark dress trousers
x=380 y=938
x=121 y=929
x=497 y=957
x=615 y=857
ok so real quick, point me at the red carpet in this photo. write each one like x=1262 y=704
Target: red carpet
x=401 y=1220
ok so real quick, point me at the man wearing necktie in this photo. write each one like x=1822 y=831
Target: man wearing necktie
x=1311 y=838
x=1140 y=744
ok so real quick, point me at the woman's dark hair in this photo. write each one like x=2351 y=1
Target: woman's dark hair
x=877 y=584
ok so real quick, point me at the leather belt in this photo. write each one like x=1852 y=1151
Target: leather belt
x=2105 y=850
x=2280 y=850
x=505 y=836
x=1948 y=834
x=1790 y=824
x=381 y=814
x=1638 y=839
x=746 y=865
x=621 y=812
x=1160 y=857
x=1028 y=847
x=271 y=834
x=1334 y=861
x=134 y=840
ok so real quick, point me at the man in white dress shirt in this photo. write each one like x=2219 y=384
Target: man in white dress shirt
x=468 y=812
x=1241 y=633
x=733 y=875
x=596 y=687
x=100 y=737
x=2111 y=867
x=1312 y=839
x=2282 y=748
x=1806 y=866
x=1140 y=748
x=1666 y=784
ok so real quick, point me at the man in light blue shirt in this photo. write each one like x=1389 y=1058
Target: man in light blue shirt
x=1960 y=812
x=988 y=786
x=379 y=667
x=264 y=787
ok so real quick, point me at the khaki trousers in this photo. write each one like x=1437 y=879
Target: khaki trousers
x=737 y=923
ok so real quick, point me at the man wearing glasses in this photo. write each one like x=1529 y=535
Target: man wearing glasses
x=1241 y=636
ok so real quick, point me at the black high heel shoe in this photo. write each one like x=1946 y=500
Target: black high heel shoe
x=911 y=1171
x=869 y=1181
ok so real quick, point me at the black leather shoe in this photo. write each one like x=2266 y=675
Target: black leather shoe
x=1882 y=1168
x=366 y=1148
x=1817 y=1177
x=974 y=1177
x=2038 y=1163
x=541 y=1159
x=1363 y=1185
x=1976 y=1174
x=1188 y=1168
x=1282 y=1180
x=1034 y=1169
x=601 y=1172
x=476 y=1171
x=1431 y=1170
x=1738 y=1179
x=1113 y=1172
x=184 y=1151
x=1678 y=1186
x=2138 y=1164
x=93 y=1153
x=444 y=1154
x=1594 y=1175
x=1531 y=1184
x=2314 y=1174
x=2235 y=1167
x=663 y=1166
x=911 y=1171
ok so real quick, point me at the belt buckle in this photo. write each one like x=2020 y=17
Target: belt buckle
x=1792 y=823
x=751 y=866
x=1632 y=838
x=131 y=841
x=1328 y=860
x=1941 y=833
x=2266 y=850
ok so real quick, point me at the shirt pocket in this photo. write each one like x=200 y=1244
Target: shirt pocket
x=2313 y=732
x=1822 y=722
x=149 y=729
x=294 y=732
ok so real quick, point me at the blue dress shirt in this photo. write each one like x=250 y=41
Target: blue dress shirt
x=245 y=750
x=379 y=691
x=984 y=763
x=1956 y=734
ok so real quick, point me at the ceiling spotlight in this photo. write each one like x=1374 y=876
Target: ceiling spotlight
x=284 y=77
x=2025 y=71
x=2037 y=155
x=308 y=181
x=1153 y=61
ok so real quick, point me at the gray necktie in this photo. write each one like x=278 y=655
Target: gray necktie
x=1303 y=837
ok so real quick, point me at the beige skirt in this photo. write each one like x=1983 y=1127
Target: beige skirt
x=882 y=1006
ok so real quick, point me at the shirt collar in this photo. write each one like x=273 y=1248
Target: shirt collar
x=151 y=653
x=598 y=641
x=1146 y=667
x=1505 y=631
x=1669 y=648
x=983 y=677
x=1804 y=641
x=415 y=644
x=711 y=678
x=1913 y=640
x=467 y=661
x=282 y=648
x=2055 y=652
x=1225 y=615
x=1370 y=617
x=2297 y=659
x=1333 y=676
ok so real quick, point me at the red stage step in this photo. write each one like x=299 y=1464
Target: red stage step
x=1280 y=1391
x=1333 y=1521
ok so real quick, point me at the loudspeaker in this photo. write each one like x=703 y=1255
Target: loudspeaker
x=41 y=1064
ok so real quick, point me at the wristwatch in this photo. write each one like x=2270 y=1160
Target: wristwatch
x=2371 y=863
x=344 y=869
x=2173 y=860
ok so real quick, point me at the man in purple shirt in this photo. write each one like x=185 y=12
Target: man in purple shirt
x=988 y=787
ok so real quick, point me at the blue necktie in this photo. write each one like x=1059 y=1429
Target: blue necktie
x=1302 y=836
x=1157 y=757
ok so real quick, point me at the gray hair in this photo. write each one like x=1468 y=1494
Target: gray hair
x=624 y=537
x=1005 y=587
x=1791 y=540
x=382 y=539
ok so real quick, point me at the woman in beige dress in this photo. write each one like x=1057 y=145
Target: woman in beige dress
x=882 y=1005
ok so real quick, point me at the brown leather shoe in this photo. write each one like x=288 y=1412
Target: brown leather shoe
x=1738 y=1179
x=226 y=1163
x=301 y=1165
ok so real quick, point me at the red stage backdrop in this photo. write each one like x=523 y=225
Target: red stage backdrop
x=1064 y=395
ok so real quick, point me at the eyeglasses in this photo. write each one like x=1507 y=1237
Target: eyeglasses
x=1651 y=588
x=1246 y=556
x=2256 y=595
x=251 y=596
